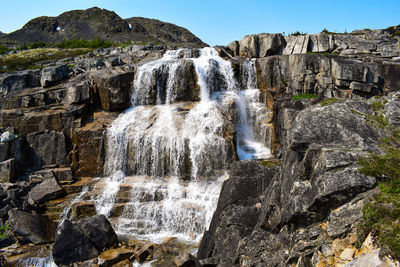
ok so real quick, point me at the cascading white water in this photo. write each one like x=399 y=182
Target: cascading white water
x=173 y=156
x=249 y=109
x=67 y=210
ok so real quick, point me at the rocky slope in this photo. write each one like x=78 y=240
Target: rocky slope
x=300 y=208
x=100 y=23
x=303 y=208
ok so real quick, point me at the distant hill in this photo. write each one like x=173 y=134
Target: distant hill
x=100 y=23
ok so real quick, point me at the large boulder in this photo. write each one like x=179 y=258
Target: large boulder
x=71 y=245
x=46 y=190
x=47 y=148
x=33 y=227
x=51 y=75
x=261 y=45
x=249 y=46
x=320 y=43
x=99 y=231
x=113 y=87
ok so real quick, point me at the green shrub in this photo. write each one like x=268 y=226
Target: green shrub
x=325 y=30
x=304 y=96
x=95 y=43
x=37 y=45
x=4 y=50
x=3 y=231
x=298 y=33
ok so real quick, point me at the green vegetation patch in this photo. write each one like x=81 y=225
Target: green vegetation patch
x=381 y=216
x=326 y=31
x=271 y=163
x=324 y=53
x=30 y=59
x=95 y=43
x=298 y=33
x=3 y=231
x=329 y=101
x=304 y=96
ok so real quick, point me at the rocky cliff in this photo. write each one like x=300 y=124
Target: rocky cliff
x=325 y=101
x=103 y=24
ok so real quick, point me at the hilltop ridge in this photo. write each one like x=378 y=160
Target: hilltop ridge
x=100 y=23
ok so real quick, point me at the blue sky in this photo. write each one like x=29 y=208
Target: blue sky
x=222 y=21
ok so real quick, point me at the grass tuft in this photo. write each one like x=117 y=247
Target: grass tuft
x=329 y=101
x=304 y=96
x=271 y=163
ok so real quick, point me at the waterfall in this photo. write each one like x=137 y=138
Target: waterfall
x=167 y=156
x=251 y=136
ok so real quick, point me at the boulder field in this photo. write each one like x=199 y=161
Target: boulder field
x=300 y=208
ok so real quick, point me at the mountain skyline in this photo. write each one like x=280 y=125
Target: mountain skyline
x=220 y=22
